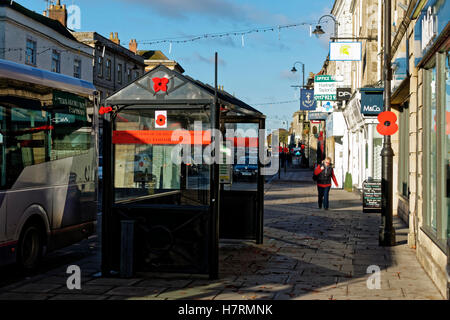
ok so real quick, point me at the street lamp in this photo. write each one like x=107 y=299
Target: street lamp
x=303 y=70
x=319 y=31
x=387 y=231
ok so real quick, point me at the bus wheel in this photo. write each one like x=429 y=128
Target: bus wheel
x=29 y=252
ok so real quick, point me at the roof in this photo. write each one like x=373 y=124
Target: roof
x=181 y=89
x=17 y=71
x=152 y=55
x=51 y=23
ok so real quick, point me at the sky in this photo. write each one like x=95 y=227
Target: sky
x=255 y=68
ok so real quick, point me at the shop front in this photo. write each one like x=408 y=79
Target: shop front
x=431 y=60
x=364 y=142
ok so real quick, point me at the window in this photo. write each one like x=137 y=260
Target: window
x=100 y=67
x=56 y=61
x=146 y=169
x=129 y=75
x=403 y=170
x=119 y=73
x=30 y=54
x=77 y=68
x=436 y=149
x=447 y=142
x=108 y=69
x=136 y=74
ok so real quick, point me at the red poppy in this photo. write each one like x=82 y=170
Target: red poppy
x=387 y=125
x=160 y=84
x=104 y=110
x=161 y=120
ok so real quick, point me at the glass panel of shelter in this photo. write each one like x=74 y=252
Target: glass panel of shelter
x=150 y=165
x=241 y=139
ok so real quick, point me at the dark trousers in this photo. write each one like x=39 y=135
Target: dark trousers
x=323 y=196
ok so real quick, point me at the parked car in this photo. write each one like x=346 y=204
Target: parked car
x=246 y=168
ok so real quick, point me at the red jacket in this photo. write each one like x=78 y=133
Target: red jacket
x=318 y=170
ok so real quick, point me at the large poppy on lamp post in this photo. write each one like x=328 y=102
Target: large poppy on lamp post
x=387 y=123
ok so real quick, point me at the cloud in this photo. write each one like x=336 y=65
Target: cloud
x=197 y=57
x=288 y=75
x=222 y=9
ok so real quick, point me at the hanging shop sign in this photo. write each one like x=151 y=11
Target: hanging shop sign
x=431 y=22
x=343 y=94
x=307 y=101
x=317 y=116
x=371 y=101
x=345 y=51
x=325 y=87
x=326 y=106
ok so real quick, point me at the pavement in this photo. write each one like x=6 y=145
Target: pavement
x=307 y=254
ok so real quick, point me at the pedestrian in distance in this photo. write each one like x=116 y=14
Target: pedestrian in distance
x=323 y=175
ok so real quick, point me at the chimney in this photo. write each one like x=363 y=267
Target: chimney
x=57 y=12
x=114 y=37
x=133 y=46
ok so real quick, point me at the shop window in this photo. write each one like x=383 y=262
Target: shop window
x=436 y=149
x=403 y=168
x=447 y=142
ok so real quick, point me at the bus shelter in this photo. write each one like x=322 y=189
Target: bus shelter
x=166 y=201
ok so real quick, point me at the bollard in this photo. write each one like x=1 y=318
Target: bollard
x=126 y=248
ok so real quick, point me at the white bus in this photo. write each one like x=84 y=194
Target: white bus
x=48 y=162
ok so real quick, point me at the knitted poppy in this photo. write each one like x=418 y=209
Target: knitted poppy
x=387 y=125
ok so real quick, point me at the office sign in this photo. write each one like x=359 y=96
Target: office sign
x=371 y=101
x=345 y=51
x=307 y=101
x=325 y=88
x=343 y=94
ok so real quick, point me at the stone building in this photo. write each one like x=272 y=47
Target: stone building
x=39 y=41
x=114 y=65
x=154 y=58
x=421 y=100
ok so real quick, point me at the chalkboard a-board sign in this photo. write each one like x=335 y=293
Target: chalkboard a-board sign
x=372 y=195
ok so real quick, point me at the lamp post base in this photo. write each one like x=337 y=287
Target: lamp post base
x=386 y=238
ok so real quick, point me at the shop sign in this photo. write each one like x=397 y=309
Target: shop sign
x=431 y=22
x=317 y=116
x=343 y=94
x=325 y=87
x=345 y=51
x=371 y=101
x=307 y=101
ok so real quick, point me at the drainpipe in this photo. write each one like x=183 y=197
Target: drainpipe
x=379 y=39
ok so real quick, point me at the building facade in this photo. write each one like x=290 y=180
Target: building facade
x=114 y=66
x=29 y=38
x=421 y=98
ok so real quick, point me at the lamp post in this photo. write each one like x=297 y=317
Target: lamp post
x=319 y=31
x=303 y=70
x=387 y=232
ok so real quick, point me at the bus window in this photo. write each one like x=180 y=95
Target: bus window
x=26 y=141
x=71 y=135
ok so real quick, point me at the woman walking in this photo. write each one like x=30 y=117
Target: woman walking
x=324 y=173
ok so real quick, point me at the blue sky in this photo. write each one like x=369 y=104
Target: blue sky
x=256 y=71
